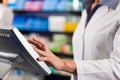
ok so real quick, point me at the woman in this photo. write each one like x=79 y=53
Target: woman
x=96 y=44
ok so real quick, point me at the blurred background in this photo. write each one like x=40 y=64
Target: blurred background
x=54 y=21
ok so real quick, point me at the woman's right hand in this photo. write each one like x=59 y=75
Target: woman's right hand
x=45 y=54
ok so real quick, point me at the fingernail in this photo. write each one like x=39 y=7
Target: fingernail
x=38 y=59
x=34 y=48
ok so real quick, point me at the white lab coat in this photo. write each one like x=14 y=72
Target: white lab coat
x=6 y=15
x=96 y=48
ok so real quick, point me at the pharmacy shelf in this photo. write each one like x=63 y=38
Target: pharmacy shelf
x=45 y=14
x=70 y=56
x=48 y=13
x=22 y=11
x=47 y=33
x=18 y=7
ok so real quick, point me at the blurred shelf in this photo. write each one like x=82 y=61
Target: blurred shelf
x=63 y=55
x=45 y=32
x=48 y=13
x=22 y=11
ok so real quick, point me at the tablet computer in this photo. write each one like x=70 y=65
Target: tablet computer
x=16 y=50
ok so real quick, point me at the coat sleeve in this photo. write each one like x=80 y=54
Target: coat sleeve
x=105 y=69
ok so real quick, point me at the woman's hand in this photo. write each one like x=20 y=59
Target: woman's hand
x=45 y=54
x=50 y=59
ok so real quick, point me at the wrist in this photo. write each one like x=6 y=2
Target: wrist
x=69 y=66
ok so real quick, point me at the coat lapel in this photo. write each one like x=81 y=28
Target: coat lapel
x=118 y=7
x=98 y=15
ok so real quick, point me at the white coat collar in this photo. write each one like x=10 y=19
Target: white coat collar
x=98 y=15
x=110 y=3
x=118 y=7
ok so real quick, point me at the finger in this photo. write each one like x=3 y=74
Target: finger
x=42 y=59
x=40 y=52
x=44 y=45
x=40 y=41
x=29 y=40
x=38 y=45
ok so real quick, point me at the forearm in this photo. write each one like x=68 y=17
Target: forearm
x=69 y=66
